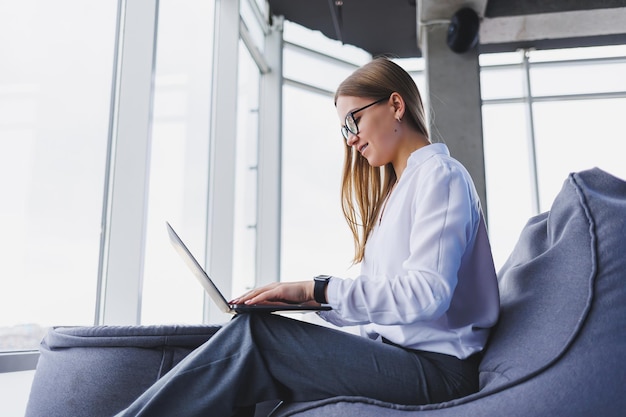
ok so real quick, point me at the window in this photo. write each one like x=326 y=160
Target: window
x=547 y=114
x=509 y=202
x=577 y=135
x=179 y=160
x=315 y=237
x=55 y=94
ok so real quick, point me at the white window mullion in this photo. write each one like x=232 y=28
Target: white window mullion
x=124 y=224
x=221 y=204
x=269 y=169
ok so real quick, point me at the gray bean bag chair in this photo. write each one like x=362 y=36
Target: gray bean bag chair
x=559 y=348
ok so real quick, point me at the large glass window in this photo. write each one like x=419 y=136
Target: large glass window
x=179 y=172
x=580 y=99
x=179 y=160
x=507 y=175
x=578 y=71
x=55 y=90
x=577 y=135
x=315 y=238
x=547 y=114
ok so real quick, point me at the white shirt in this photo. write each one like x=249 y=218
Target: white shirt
x=427 y=279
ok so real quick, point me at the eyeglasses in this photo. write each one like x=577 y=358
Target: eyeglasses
x=350 y=122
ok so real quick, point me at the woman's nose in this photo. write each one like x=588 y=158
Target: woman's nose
x=352 y=139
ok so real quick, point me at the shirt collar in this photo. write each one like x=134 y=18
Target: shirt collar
x=419 y=156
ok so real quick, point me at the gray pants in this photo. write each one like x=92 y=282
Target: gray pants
x=262 y=357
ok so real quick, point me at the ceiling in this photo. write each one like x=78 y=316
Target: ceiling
x=391 y=27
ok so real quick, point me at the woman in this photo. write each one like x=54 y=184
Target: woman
x=425 y=300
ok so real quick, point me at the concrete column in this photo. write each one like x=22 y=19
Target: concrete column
x=453 y=91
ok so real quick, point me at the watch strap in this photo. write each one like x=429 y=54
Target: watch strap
x=319 y=289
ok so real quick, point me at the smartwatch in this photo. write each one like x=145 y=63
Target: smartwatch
x=319 y=290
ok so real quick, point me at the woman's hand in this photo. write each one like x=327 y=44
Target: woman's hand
x=279 y=293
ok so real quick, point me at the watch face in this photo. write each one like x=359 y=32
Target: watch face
x=322 y=277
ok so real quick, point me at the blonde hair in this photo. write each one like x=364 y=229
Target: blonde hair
x=364 y=187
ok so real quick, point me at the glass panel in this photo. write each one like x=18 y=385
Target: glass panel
x=597 y=139
x=179 y=161
x=412 y=64
x=507 y=172
x=315 y=70
x=505 y=58
x=420 y=81
x=324 y=70
x=55 y=95
x=315 y=236
x=577 y=53
x=578 y=78
x=244 y=250
x=498 y=83
x=315 y=40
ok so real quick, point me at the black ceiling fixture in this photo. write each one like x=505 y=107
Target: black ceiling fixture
x=463 y=30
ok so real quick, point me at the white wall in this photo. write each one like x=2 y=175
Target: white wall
x=14 y=391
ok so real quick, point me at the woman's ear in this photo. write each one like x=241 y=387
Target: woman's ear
x=398 y=105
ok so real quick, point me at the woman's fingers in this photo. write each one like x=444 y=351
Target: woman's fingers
x=286 y=292
x=252 y=293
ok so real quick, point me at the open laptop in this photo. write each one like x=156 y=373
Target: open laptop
x=216 y=294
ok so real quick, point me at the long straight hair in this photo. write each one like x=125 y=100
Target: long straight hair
x=364 y=188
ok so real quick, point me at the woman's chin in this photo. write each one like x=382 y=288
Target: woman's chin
x=374 y=162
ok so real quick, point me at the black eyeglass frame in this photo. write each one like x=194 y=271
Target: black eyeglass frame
x=345 y=130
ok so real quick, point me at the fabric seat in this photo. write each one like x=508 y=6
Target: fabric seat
x=97 y=371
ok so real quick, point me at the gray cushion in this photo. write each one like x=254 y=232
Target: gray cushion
x=98 y=371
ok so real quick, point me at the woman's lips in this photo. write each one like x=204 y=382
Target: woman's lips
x=362 y=148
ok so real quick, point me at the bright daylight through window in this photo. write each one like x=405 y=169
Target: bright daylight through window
x=54 y=121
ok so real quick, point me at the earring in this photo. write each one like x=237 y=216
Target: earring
x=398 y=119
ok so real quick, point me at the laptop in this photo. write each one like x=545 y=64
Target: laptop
x=216 y=294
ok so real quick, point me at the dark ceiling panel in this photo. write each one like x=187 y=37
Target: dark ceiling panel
x=381 y=27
